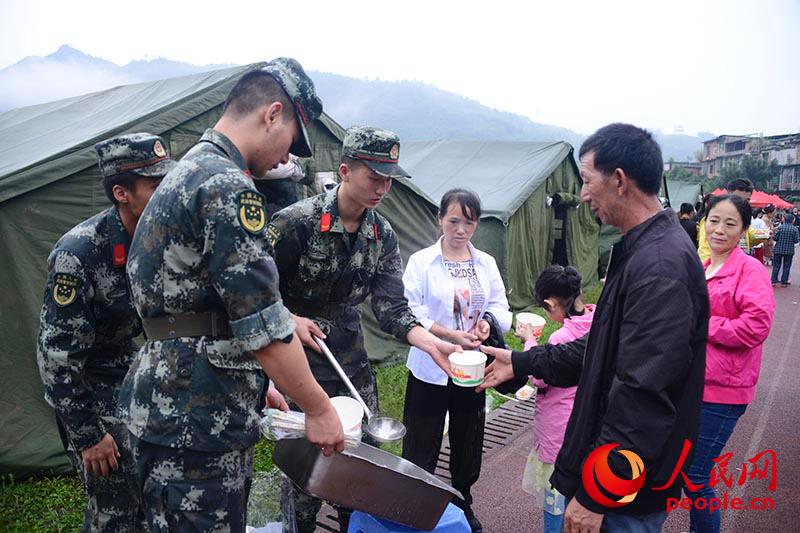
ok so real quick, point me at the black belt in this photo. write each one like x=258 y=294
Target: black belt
x=209 y=324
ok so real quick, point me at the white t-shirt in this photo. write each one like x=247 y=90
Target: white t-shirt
x=468 y=296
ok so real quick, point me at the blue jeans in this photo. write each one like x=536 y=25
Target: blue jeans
x=633 y=523
x=553 y=523
x=777 y=259
x=717 y=421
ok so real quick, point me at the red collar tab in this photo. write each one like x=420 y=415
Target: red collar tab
x=247 y=173
x=375 y=231
x=325 y=222
x=119 y=255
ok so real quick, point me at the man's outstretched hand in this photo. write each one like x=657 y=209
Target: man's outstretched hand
x=499 y=371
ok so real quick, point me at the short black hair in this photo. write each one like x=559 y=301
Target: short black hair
x=741 y=205
x=469 y=201
x=561 y=282
x=351 y=162
x=788 y=218
x=686 y=208
x=739 y=184
x=126 y=179
x=254 y=89
x=629 y=148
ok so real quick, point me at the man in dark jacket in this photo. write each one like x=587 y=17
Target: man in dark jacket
x=640 y=369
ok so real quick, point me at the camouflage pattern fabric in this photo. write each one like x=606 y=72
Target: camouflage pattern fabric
x=298 y=86
x=200 y=246
x=295 y=501
x=378 y=149
x=112 y=503
x=186 y=490
x=144 y=154
x=324 y=276
x=85 y=347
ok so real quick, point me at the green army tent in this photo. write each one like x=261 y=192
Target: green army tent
x=532 y=215
x=679 y=192
x=49 y=182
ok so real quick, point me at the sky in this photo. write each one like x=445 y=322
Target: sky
x=713 y=66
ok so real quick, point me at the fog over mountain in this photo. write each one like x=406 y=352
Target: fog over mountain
x=414 y=110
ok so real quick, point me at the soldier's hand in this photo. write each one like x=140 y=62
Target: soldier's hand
x=324 y=429
x=101 y=457
x=306 y=330
x=275 y=399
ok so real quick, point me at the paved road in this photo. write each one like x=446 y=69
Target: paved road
x=772 y=421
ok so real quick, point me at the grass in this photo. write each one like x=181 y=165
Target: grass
x=55 y=504
x=49 y=504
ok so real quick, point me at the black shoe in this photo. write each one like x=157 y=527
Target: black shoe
x=474 y=523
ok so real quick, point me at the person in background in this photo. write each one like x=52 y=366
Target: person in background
x=786 y=238
x=452 y=288
x=686 y=218
x=742 y=307
x=88 y=325
x=558 y=291
x=768 y=218
x=743 y=188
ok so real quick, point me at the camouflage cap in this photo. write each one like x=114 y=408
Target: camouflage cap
x=378 y=149
x=300 y=89
x=144 y=154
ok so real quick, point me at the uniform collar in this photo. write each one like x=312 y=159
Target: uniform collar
x=226 y=145
x=330 y=217
x=118 y=238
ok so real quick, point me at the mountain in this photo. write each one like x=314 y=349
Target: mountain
x=414 y=110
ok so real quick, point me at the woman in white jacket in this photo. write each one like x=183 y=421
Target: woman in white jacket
x=451 y=287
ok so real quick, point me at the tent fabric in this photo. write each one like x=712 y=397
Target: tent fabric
x=679 y=192
x=519 y=226
x=49 y=182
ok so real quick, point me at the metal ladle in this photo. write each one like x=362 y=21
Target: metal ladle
x=381 y=428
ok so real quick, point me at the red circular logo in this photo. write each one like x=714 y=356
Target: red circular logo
x=596 y=474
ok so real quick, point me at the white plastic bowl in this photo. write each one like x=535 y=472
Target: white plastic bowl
x=531 y=319
x=468 y=367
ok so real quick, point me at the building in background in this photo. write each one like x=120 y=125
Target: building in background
x=731 y=149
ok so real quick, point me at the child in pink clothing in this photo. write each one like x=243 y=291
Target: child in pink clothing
x=558 y=292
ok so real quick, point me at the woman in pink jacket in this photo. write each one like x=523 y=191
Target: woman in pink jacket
x=742 y=306
x=558 y=292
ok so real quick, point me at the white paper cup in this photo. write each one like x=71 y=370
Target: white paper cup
x=531 y=319
x=468 y=368
x=350 y=413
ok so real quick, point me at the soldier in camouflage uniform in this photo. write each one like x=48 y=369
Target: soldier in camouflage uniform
x=88 y=324
x=333 y=251
x=207 y=291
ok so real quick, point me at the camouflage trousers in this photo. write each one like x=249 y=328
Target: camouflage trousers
x=306 y=507
x=112 y=503
x=188 y=490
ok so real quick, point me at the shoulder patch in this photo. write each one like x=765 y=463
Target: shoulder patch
x=65 y=289
x=272 y=235
x=251 y=211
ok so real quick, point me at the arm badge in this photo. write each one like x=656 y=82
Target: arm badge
x=251 y=211
x=65 y=289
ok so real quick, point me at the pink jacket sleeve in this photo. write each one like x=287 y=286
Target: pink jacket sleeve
x=756 y=304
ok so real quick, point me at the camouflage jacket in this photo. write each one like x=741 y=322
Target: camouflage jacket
x=88 y=324
x=323 y=276
x=200 y=246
